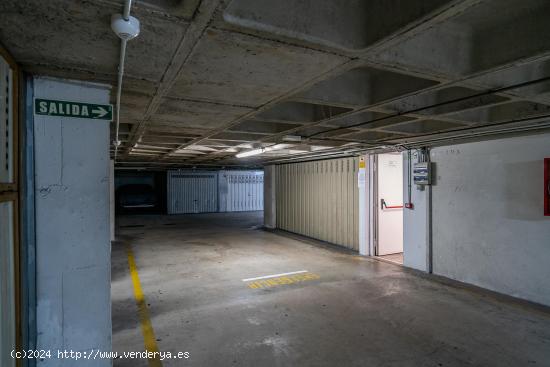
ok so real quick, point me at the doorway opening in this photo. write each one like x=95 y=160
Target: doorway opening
x=389 y=207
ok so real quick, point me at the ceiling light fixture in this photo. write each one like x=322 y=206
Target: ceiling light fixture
x=294 y=138
x=250 y=153
x=261 y=150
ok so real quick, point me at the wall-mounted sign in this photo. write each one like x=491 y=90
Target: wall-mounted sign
x=52 y=107
x=362 y=174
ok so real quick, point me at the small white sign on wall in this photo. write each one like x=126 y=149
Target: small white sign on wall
x=362 y=176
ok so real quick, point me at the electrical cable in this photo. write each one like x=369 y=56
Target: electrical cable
x=419 y=109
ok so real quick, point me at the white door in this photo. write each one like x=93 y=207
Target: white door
x=390 y=204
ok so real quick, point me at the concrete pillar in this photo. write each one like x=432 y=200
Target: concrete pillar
x=415 y=221
x=112 y=197
x=270 y=209
x=363 y=185
x=371 y=202
x=73 y=268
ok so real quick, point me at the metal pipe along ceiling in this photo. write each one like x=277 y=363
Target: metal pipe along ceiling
x=126 y=16
x=126 y=12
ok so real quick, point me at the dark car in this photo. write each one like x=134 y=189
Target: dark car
x=136 y=196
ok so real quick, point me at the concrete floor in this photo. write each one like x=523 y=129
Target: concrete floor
x=396 y=258
x=360 y=312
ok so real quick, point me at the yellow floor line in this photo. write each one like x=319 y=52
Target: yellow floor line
x=149 y=338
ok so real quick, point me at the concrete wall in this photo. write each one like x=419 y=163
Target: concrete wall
x=488 y=223
x=415 y=220
x=270 y=207
x=72 y=226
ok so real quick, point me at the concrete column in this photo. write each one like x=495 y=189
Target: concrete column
x=415 y=220
x=112 y=197
x=371 y=200
x=270 y=210
x=363 y=186
x=73 y=266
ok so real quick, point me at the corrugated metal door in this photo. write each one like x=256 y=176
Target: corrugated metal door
x=192 y=192
x=320 y=200
x=241 y=191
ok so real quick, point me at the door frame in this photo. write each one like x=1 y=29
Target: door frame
x=10 y=191
x=375 y=202
x=14 y=185
x=375 y=207
x=6 y=197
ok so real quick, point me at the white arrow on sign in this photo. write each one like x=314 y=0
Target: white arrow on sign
x=100 y=111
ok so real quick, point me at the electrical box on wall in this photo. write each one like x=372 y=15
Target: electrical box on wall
x=546 y=186
x=422 y=173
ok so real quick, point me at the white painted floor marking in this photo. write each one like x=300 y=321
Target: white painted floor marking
x=275 y=275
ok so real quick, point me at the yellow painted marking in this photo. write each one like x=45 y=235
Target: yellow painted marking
x=284 y=280
x=149 y=338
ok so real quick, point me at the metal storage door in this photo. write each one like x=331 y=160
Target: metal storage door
x=192 y=192
x=320 y=200
x=241 y=191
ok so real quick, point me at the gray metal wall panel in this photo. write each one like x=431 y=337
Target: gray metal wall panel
x=192 y=192
x=320 y=200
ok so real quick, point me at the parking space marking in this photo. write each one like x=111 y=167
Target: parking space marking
x=149 y=338
x=293 y=278
x=275 y=275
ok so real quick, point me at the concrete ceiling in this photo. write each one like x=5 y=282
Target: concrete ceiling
x=207 y=79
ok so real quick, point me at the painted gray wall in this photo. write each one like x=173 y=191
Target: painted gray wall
x=488 y=223
x=72 y=226
x=415 y=221
x=270 y=209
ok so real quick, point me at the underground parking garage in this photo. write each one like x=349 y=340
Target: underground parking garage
x=274 y=183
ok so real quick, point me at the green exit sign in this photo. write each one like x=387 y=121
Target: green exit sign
x=50 y=107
